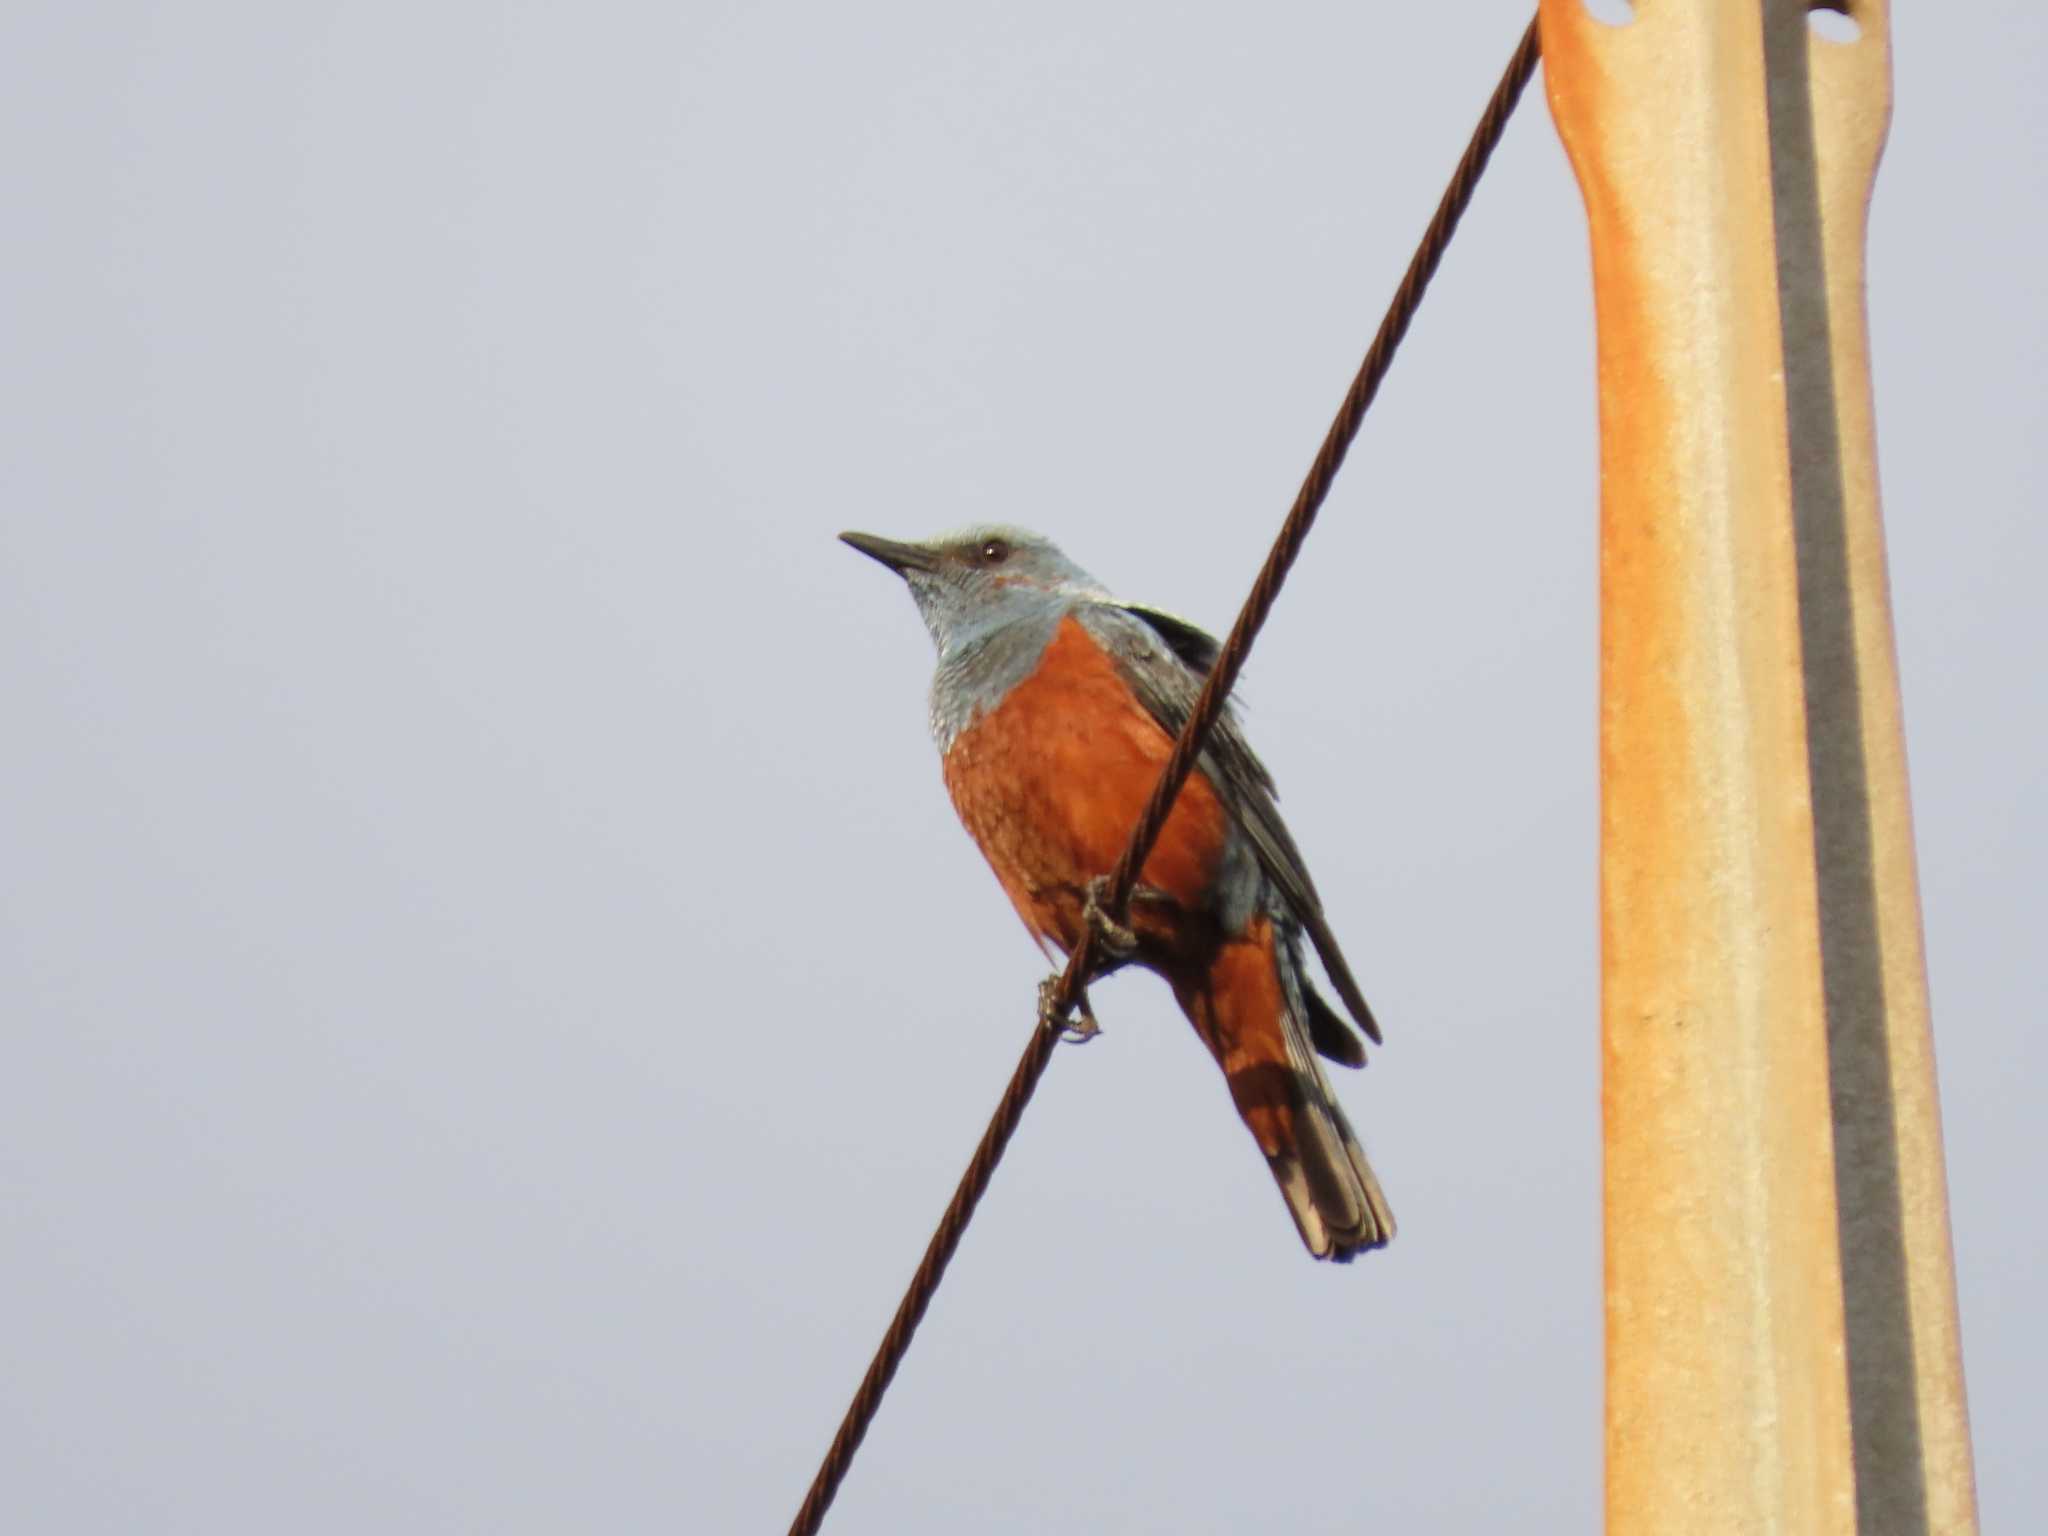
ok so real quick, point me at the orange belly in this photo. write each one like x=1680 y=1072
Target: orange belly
x=1049 y=784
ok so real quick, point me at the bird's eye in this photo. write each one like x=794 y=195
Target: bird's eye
x=994 y=552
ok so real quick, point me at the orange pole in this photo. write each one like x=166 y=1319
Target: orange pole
x=1782 y=1344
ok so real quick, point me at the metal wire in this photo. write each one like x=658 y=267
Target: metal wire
x=1336 y=443
x=1187 y=751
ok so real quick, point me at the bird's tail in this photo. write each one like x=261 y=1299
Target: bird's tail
x=1251 y=1010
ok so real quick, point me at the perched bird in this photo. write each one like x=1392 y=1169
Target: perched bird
x=1054 y=706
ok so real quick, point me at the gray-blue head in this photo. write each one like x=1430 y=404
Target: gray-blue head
x=976 y=581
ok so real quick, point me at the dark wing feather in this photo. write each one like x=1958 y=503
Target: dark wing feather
x=1165 y=662
x=1196 y=647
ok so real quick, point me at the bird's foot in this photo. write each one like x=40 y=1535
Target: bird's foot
x=1118 y=938
x=1078 y=1029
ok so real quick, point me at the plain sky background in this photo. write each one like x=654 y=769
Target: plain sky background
x=494 y=994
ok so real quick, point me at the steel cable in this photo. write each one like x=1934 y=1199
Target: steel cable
x=1187 y=751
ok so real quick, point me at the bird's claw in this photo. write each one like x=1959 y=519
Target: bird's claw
x=1075 y=1030
x=1118 y=938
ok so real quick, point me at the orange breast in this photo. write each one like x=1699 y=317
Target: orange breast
x=1050 y=782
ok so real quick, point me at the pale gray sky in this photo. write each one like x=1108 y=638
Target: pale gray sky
x=494 y=994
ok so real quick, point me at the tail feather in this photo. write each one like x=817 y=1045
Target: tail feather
x=1329 y=1187
x=1329 y=1034
x=1251 y=1009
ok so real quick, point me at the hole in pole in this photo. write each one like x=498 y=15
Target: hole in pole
x=1831 y=21
x=1611 y=13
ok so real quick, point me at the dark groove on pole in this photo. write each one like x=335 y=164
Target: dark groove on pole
x=1886 y=1451
x=1187 y=750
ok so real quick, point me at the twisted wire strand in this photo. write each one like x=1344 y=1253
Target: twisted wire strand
x=1323 y=472
x=1071 y=987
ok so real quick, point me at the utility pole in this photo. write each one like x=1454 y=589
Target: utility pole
x=1782 y=1345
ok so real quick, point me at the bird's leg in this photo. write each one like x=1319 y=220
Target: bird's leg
x=1115 y=937
x=1075 y=1031
x=1116 y=945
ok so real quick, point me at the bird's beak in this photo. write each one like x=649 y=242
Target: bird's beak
x=900 y=558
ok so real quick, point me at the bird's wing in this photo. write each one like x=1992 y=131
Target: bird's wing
x=1164 y=659
x=1191 y=643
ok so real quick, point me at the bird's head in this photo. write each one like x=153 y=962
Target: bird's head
x=972 y=582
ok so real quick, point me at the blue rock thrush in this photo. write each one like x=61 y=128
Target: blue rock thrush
x=1054 y=707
